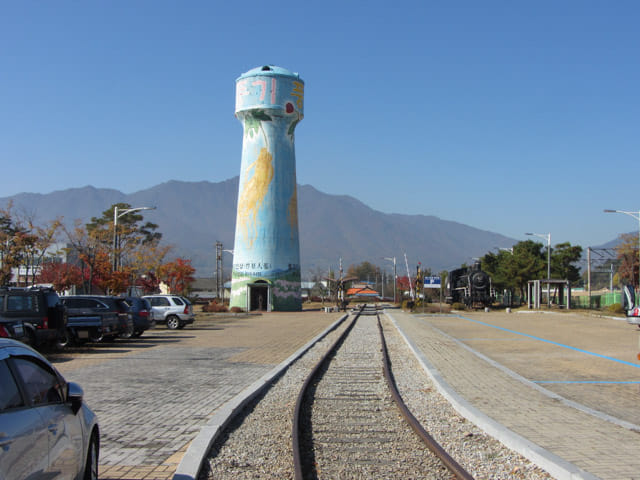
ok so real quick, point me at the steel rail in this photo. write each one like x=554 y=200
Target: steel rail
x=453 y=466
x=295 y=430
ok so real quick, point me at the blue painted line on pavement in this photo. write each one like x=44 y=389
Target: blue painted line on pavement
x=569 y=347
x=594 y=382
x=490 y=339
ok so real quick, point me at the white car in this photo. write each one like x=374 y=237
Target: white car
x=174 y=310
x=46 y=430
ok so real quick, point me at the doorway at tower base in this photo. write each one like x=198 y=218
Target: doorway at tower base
x=280 y=293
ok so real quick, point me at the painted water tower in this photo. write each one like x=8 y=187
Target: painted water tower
x=266 y=253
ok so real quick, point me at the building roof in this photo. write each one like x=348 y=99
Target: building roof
x=362 y=292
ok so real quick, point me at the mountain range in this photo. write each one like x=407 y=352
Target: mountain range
x=192 y=216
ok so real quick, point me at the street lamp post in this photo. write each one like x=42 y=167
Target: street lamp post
x=116 y=216
x=635 y=215
x=395 y=277
x=548 y=238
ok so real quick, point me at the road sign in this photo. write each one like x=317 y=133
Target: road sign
x=432 y=282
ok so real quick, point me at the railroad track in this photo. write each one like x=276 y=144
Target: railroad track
x=348 y=417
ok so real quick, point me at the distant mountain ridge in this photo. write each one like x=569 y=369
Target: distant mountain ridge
x=192 y=216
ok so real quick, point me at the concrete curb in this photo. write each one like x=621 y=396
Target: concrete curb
x=556 y=466
x=191 y=462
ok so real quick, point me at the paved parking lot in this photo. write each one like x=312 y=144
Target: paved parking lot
x=152 y=394
x=561 y=388
x=589 y=359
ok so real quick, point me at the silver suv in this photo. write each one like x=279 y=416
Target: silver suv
x=174 y=310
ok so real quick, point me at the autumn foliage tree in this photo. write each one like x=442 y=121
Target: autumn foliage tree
x=403 y=283
x=178 y=275
x=149 y=282
x=136 y=253
x=127 y=237
x=61 y=275
x=9 y=255
x=92 y=258
x=23 y=244
x=628 y=255
x=102 y=256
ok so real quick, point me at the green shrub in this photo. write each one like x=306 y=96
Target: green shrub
x=437 y=308
x=458 y=306
x=215 y=307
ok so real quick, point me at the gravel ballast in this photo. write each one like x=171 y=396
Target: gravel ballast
x=257 y=443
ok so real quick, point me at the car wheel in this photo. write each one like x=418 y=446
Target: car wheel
x=137 y=333
x=64 y=339
x=172 y=322
x=95 y=336
x=128 y=333
x=91 y=468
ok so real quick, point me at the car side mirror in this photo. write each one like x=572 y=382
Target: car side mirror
x=75 y=395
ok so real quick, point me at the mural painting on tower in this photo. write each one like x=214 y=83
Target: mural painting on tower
x=266 y=254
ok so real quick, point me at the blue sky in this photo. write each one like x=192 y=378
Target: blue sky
x=508 y=116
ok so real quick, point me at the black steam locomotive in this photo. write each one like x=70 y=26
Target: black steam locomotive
x=471 y=286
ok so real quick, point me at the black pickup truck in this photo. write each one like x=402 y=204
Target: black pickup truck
x=34 y=314
x=92 y=318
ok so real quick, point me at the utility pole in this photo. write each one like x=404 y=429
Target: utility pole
x=219 y=279
x=589 y=274
x=395 y=278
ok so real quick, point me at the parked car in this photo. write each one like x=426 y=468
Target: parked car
x=139 y=311
x=94 y=318
x=173 y=310
x=43 y=316
x=47 y=430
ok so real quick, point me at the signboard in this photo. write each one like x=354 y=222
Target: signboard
x=432 y=282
